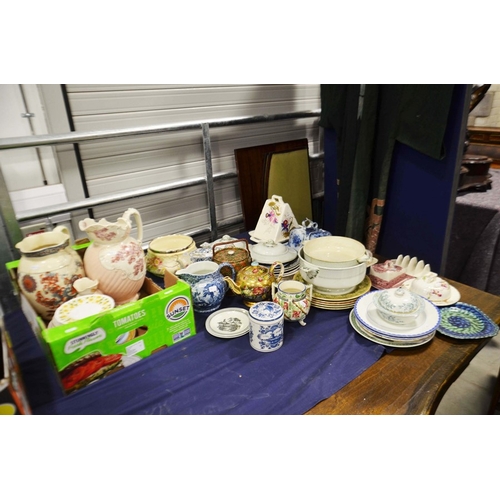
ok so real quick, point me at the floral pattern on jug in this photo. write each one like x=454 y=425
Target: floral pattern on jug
x=114 y=258
x=295 y=299
x=48 y=269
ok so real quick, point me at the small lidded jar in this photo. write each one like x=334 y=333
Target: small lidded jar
x=398 y=305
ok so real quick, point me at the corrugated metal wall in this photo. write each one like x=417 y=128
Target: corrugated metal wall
x=119 y=165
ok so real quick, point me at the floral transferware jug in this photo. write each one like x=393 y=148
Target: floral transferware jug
x=208 y=287
x=114 y=258
x=48 y=269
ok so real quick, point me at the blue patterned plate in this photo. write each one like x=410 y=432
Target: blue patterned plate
x=465 y=321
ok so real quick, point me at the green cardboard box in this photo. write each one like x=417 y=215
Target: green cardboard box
x=97 y=346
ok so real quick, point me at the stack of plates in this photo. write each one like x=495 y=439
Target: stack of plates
x=367 y=322
x=290 y=268
x=337 y=302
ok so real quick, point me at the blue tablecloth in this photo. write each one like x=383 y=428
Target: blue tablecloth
x=207 y=375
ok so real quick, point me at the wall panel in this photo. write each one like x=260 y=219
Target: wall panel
x=120 y=165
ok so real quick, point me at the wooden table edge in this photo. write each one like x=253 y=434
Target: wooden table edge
x=412 y=381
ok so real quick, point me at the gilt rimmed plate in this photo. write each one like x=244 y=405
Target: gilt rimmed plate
x=465 y=321
x=228 y=323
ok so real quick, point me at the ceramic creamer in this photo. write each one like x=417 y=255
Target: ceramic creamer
x=208 y=287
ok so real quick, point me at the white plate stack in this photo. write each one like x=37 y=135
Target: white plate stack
x=366 y=321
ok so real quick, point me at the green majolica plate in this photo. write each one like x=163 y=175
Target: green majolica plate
x=465 y=321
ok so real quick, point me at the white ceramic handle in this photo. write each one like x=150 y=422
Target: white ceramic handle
x=311 y=272
x=366 y=257
x=138 y=222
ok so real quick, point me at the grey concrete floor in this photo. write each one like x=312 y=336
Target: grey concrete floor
x=471 y=393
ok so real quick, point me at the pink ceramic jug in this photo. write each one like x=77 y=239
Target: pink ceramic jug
x=114 y=258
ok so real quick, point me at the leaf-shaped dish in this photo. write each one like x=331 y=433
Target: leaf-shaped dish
x=465 y=321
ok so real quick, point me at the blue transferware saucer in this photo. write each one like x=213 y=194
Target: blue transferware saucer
x=465 y=321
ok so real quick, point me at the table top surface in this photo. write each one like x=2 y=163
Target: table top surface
x=412 y=381
x=400 y=381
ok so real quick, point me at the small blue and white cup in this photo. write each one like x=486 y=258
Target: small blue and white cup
x=267 y=323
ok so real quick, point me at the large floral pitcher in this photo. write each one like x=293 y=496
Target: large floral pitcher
x=114 y=258
x=48 y=269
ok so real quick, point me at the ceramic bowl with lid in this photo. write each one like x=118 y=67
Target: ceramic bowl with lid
x=270 y=251
x=398 y=306
x=431 y=287
x=330 y=280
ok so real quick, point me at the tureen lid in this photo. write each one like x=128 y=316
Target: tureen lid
x=397 y=301
x=270 y=251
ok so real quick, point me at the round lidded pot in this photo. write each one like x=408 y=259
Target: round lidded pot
x=270 y=252
x=398 y=305
x=266 y=332
x=238 y=257
x=204 y=252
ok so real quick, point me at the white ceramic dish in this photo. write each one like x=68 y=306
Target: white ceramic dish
x=255 y=239
x=333 y=281
x=228 y=323
x=269 y=252
x=427 y=322
x=451 y=300
x=335 y=252
x=82 y=307
x=398 y=306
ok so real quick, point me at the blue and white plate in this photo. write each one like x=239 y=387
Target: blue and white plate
x=465 y=321
x=366 y=314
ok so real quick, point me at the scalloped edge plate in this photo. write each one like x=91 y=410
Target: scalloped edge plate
x=462 y=310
